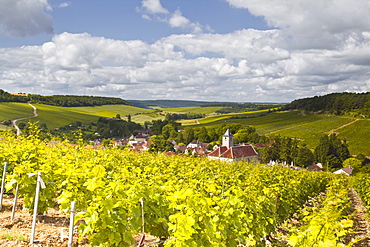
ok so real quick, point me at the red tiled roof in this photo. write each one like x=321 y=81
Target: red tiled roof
x=218 y=151
x=147 y=144
x=314 y=167
x=182 y=148
x=348 y=170
x=239 y=152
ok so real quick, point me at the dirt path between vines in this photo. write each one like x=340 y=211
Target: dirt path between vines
x=361 y=224
x=344 y=125
x=14 y=121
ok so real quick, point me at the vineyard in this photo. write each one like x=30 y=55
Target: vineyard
x=179 y=200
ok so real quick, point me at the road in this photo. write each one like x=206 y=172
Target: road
x=14 y=121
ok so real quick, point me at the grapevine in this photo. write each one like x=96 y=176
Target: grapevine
x=188 y=201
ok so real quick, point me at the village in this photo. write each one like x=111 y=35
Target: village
x=228 y=151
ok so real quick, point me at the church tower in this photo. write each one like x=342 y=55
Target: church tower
x=228 y=139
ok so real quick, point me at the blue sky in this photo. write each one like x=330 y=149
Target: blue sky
x=215 y=50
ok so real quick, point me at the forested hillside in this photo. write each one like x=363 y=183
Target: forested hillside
x=335 y=103
x=61 y=100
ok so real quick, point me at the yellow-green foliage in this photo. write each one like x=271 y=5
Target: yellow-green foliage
x=191 y=201
x=326 y=223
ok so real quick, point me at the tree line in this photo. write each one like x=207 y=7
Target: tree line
x=335 y=103
x=61 y=100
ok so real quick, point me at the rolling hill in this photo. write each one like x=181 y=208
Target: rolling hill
x=295 y=123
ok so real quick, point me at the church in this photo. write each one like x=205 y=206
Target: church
x=231 y=153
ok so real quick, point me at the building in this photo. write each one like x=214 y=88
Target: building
x=346 y=170
x=229 y=152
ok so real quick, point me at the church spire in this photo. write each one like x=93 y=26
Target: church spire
x=228 y=139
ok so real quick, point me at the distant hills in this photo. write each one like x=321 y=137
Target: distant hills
x=166 y=103
x=189 y=103
x=335 y=103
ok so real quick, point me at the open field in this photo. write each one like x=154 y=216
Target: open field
x=142 y=118
x=311 y=132
x=195 y=110
x=357 y=134
x=10 y=111
x=306 y=127
x=55 y=116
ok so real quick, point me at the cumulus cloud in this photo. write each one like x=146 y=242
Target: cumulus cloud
x=23 y=18
x=178 y=20
x=153 y=7
x=153 y=10
x=324 y=24
x=251 y=67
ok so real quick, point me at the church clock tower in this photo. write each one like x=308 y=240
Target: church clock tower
x=228 y=139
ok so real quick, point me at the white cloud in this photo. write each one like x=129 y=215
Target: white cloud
x=305 y=24
x=64 y=5
x=153 y=7
x=153 y=10
x=246 y=65
x=23 y=18
x=177 y=20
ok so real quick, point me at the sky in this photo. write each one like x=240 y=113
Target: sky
x=205 y=50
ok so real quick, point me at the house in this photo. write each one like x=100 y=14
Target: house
x=197 y=144
x=141 y=138
x=229 y=152
x=179 y=148
x=146 y=145
x=345 y=170
x=199 y=151
x=315 y=167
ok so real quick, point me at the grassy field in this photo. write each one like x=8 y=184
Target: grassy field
x=306 y=127
x=357 y=134
x=111 y=110
x=55 y=116
x=195 y=110
x=9 y=111
x=310 y=132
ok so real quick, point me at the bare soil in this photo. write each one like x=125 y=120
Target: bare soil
x=48 y=228
x=50 y=225
x=360 y=236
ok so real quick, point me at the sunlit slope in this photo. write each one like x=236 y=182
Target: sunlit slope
x=9 y=111
x=357 y=134
x=306 y=127
x=55 y=116
x=194 y=110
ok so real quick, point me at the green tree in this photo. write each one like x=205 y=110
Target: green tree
x=305 y=157
x=332 y=151
x=160 y=144
x=355 y=163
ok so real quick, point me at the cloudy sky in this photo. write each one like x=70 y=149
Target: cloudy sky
x=213 y=50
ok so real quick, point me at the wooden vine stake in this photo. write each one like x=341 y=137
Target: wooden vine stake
x=142 y=236
x=71 y=224
x=3 y=184
x=15 y=202
x=39 y=183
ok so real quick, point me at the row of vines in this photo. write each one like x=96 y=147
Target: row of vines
x=186 y=201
